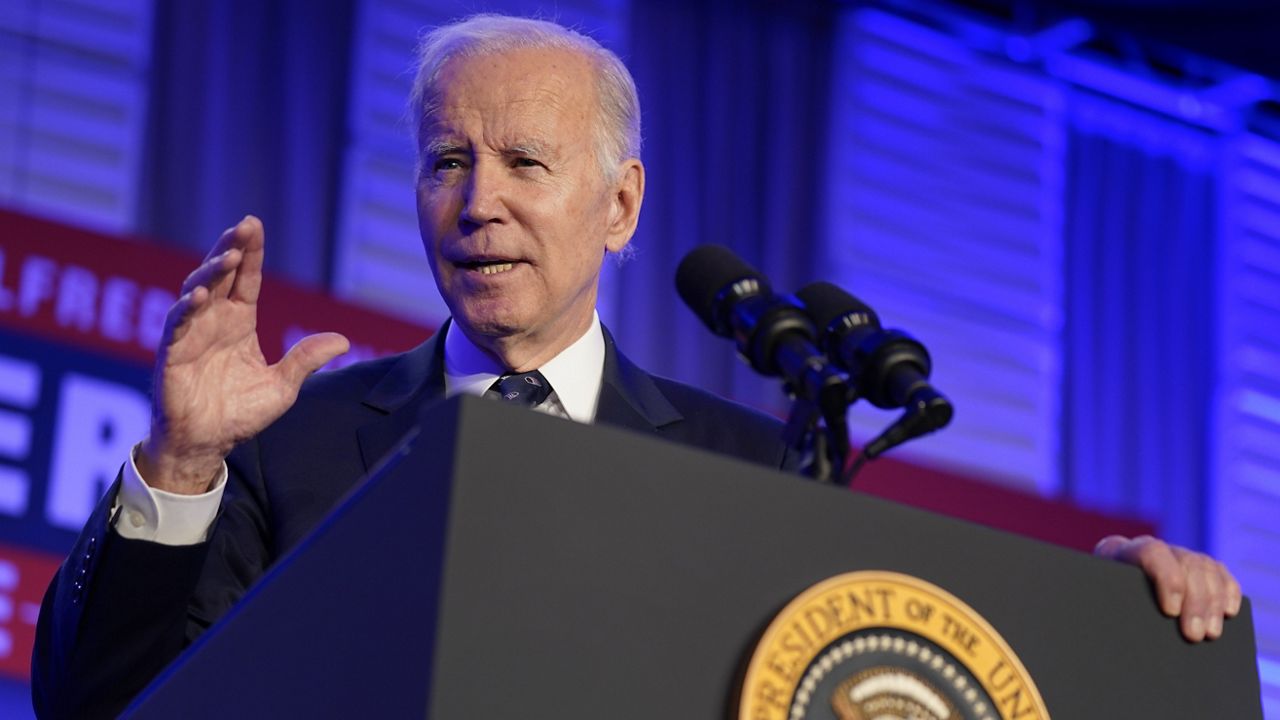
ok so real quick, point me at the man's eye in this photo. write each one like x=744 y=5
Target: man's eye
x=525 y=162
x=446 y=165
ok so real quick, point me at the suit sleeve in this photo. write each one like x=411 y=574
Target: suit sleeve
x=119 y=610
x=113 y=616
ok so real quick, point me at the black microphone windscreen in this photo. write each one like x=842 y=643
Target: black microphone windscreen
x=704 y=273
x=826 y=303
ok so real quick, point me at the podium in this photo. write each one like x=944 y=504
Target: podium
x=505 y=563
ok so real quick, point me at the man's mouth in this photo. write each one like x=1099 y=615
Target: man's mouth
x=495 y=268
x=489 y=267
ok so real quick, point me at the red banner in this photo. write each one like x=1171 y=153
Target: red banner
x=111 y=295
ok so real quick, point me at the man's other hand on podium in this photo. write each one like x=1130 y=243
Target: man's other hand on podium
x=1190 y=586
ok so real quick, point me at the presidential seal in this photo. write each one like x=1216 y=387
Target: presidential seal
x=875 y=645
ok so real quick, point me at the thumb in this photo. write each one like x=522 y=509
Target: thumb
x=310 y=354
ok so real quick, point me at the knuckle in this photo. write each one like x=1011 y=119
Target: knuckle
x=1168 y=576
x=1150 y=556
x=179 y=306
x=1196 y=600
x=199 y=275
x=1192 y=563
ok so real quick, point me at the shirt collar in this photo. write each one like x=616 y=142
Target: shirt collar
x=575 y=374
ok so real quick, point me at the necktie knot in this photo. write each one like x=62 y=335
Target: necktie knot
x=528 y=389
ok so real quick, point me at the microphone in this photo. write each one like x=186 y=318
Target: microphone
x=735 y=301
x=888 y=367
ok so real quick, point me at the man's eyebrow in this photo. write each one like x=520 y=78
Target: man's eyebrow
x=525 y=148
x=437 y=148
x=440 y=148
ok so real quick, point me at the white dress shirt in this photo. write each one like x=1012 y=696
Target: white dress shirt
x=575 y=375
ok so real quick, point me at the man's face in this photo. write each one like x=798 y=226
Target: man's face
x=514 y=210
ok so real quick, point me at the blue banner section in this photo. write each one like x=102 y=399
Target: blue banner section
x=67 y=421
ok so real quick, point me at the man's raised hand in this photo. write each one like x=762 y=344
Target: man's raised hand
x=213 y=387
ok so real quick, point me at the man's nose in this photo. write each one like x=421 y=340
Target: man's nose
x=484 y=195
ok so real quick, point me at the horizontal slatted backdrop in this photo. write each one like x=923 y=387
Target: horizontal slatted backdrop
x=1245 y=523
x=945 y=216
x=73 y=106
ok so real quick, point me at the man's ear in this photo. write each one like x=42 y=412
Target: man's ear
x=628 y=194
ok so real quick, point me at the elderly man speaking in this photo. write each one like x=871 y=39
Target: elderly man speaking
x=528 y=177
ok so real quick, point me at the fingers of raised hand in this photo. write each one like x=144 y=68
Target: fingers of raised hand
x=211 y=279
x=245 y=235
x=240 y=247
x=181 y=310
x=251 y=239
x=222 y=274
x=214 y=274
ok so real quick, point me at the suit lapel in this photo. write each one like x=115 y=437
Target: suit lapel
x=628 y=396
x=417 y=378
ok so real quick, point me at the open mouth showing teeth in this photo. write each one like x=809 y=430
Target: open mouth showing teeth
x=490 y=268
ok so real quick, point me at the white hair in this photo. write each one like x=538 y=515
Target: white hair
x=618 y=127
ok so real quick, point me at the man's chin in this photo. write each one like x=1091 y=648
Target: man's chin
x=483 y=329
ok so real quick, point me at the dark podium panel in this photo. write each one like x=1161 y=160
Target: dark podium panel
x=510 y=564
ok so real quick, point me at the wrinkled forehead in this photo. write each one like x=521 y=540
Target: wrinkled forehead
x=515 y=87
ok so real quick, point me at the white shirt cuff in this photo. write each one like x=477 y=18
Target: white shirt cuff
x=164 y=517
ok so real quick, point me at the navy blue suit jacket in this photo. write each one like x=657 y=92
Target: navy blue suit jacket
x=119 y=610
